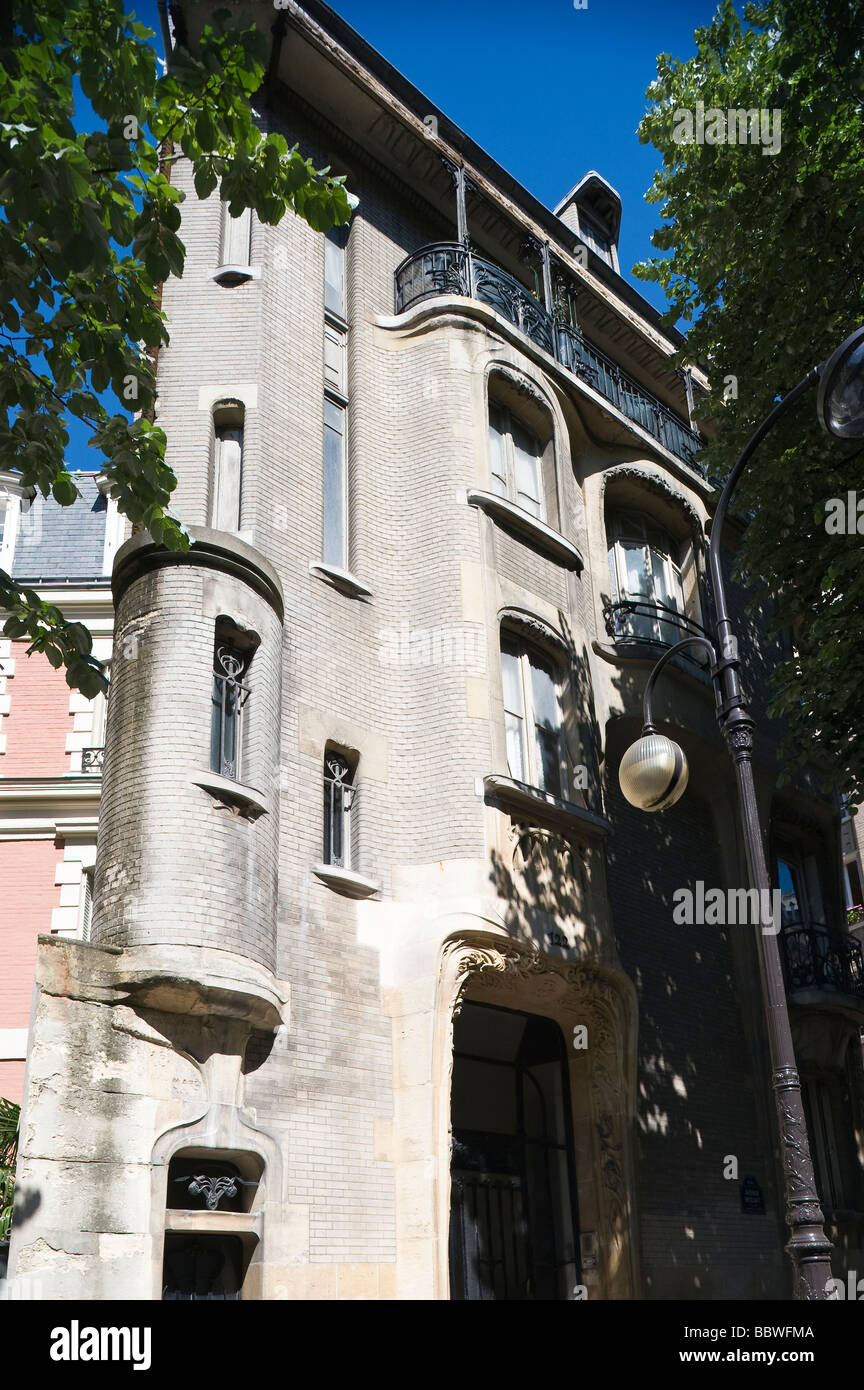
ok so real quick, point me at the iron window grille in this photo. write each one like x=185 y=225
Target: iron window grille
x=340 y=795
x=230 y=695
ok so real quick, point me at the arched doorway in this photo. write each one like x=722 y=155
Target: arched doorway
x=514 y=1224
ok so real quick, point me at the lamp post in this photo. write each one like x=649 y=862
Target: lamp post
x=653 y=775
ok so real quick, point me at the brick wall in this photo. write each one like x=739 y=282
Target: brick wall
x=38 y=719
x=29 y=894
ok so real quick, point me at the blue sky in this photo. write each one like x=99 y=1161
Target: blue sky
x=548 y=90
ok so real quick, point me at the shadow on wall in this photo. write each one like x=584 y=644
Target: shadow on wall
x=698 y=1133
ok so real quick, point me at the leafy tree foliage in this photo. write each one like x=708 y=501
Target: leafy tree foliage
x=10 y=1119
x=91 y=230
x=765 y=264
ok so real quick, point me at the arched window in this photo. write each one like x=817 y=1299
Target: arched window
x=228 y=421
x=532 y=716
x=521 y=447
x=515 y=458
x=647 y=573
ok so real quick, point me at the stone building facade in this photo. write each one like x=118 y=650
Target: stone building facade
x=384 y=996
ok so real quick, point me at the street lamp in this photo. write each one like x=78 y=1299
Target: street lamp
x=653 y=775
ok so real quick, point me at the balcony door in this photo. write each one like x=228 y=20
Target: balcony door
x=513 y=1226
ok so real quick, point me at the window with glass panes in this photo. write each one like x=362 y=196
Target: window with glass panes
x=335 y=539
x=532 y=717
x=515 y=461
x=799 y=881
x=644 y=569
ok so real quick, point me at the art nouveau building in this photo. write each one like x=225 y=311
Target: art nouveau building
x=383 y=996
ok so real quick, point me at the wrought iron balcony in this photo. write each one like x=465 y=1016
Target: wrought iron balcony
x=638 y=621
x=91 y=760
x=446 y=267
x=815 y=958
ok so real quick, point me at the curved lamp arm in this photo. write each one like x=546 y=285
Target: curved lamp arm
x=648 y=726
x=728 y=650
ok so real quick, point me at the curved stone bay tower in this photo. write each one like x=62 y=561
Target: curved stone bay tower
x=385 y=997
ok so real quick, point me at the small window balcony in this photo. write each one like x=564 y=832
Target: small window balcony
x=644 y=623
x=821 y=966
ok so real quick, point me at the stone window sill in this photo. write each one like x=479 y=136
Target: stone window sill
x=531 y=801
x=515 y=518
x=247 y=801
x=341 y=579
x=235 y=274
x=345 y=881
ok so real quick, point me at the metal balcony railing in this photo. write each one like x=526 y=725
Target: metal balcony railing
x=446 y=267
x=91 y=760
x=643 y=620
x=815 y=958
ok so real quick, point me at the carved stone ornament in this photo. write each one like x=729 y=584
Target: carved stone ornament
x=653 y=482
x=535 y=627
x=522 y=384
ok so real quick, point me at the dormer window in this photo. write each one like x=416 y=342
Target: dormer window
x=592 y=209
x=593 y=235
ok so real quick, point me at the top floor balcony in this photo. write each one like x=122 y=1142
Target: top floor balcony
x=452 y=268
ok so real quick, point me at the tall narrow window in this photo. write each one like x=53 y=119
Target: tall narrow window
x=828 y=1170
x=339 y=795
x=236 y=238
x=852 y=889
x=335 y=243
x=228 y=421
x=515 y=459
x=335 y=547
x=86 y=905
x=334 y=484
x=532 y=717
x=232 y=654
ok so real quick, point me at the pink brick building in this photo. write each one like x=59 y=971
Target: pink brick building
x=50 y=746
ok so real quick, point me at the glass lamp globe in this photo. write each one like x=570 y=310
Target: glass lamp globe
x=840 y=403
x=653 y=773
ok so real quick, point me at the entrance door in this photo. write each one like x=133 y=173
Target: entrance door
x=513 y=1219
